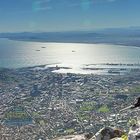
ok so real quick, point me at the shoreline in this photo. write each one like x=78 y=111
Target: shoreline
x=40 y=91
x=87 y=69
x=77 y=42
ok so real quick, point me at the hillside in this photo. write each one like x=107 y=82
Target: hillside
x=118 y=36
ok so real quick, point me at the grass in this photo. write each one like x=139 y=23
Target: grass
x=84 y=116
x=70 y=131
x=103 y=109
x=16 y=115
x=135 y=89
x=88 y=106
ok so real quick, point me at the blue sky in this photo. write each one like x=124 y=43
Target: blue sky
x=67 y=15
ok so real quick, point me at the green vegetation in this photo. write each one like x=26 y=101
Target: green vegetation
x=135 y=89
x=35 y=114
x=16 y=113
x=84 y=108
x=70 y=131
x=84 y=116
x=88 y=106
x=104 y=109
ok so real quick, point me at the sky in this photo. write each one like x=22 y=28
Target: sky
x=67 y=15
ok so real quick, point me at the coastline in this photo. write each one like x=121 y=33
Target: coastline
x=80 y=42
x=125 y=44
x=87 y=69
x=75 y=95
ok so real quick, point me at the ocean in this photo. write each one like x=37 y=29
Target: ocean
x=79 y=57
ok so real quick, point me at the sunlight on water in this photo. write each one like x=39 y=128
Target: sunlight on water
x=14 y=54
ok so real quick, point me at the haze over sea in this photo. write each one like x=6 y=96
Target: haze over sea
x=17 y=54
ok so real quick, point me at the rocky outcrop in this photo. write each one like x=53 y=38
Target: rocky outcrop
x=72 y=137
x=107 y=133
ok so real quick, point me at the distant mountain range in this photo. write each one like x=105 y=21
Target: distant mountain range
x=120 y=36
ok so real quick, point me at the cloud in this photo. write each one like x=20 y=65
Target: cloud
x=88 y=2
x=40 y=5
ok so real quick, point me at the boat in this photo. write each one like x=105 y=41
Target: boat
x=114 y=71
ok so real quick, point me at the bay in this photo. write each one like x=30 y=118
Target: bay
x=18 y=54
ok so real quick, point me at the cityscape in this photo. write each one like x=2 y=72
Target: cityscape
x=69 y=69
x=41 y=105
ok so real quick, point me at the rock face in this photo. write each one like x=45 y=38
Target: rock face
x=72 y=137
x=134 y=133
x=104 y=134
x=108 y=133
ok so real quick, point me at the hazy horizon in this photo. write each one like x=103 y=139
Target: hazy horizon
x=67 y=15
